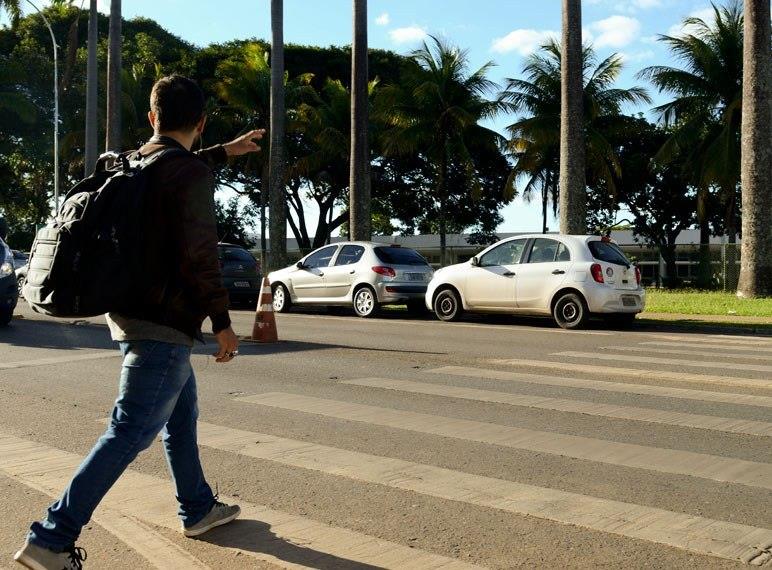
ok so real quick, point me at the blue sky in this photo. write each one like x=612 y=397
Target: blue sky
x=504 y=31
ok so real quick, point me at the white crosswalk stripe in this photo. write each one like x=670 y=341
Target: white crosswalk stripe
x=688 y=352
x=624 y=454
x=672 y=361
x=637 y=373
x=719 y=339
x=705 y=536
x=724 y=348
x=715 y=423
x=601 y=385
x=296 y=542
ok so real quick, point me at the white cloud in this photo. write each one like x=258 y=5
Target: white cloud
x=383 y=19
x=522 y=41
x=706 y=14
x=614 y=31
x=410 y=34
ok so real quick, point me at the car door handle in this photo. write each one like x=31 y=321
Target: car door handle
x=508 y=274
x=558 y=272
x=321 y=274
x=352 y=272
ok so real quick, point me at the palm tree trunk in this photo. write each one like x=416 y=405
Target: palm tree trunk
x=442 y=193
x=756 y=173
x=92 y=82
x=572 y=184
x=359 y=178
x=278 y=219
x=113 y=141
x=263 y=199
x=545 y=192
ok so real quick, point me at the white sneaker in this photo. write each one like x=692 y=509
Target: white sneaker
x=219 y=515
x=38 y=558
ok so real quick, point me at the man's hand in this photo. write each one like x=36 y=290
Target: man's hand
x=244 y=144
x=228 y=343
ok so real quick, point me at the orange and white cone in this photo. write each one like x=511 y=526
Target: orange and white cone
x=264 y=329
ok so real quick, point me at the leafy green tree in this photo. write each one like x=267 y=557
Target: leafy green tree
x=706 y=112
x=234 y=222
x=535 y=135
x=436 y=110
x=658 y=194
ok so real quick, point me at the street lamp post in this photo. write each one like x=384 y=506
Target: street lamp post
x=56 y=106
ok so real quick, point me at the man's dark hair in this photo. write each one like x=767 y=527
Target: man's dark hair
x=177 y=102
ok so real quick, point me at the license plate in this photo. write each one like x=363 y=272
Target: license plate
x=630 y=301
x=241 y=283
x=414 y=276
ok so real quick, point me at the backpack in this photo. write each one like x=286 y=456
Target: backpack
x=86 y=261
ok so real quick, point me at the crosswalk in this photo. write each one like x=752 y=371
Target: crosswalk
x=644 y=386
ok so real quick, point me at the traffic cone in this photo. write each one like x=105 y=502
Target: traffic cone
x=264 y=329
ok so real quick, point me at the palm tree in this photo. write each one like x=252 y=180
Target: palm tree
x=359 y=179
x=535 y=137
x=13 y=9
x=572 y=184
x=706 y=113
x=436 y=111
x=277 y=190
x=245 y=86
x=756 y=259
x=113 y=141
x=92 y=81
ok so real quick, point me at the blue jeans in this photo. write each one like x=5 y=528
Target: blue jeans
x=157 y=392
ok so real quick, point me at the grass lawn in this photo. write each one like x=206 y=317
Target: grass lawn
x=692 y=302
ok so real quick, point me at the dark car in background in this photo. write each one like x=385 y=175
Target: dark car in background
x=241 y=274
x=8 y=288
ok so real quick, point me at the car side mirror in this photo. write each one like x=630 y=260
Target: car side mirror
x=300 y=265
x=475 y=261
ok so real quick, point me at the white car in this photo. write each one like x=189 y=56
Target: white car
x=566 y=276
x=364 y=275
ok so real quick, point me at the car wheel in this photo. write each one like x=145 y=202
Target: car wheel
x=447 y=305
x=20 y=281
x=5 y=317
x=282 y=302
x=570 y=311
x=365 y=302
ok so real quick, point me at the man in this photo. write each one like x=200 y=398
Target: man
x=157 y=386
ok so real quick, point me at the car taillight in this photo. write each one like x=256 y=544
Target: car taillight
x=637 y=275
x=597 y=272
x=383 y=270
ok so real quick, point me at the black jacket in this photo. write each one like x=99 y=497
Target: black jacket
x=181 y=280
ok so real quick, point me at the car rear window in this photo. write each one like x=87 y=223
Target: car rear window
x=235 y=254
x=608 y=252
x=399 y=256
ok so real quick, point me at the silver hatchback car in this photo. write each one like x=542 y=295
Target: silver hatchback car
x=362 y=275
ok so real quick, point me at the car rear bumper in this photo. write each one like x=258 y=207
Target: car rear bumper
x=396 y=292
x=606 y=300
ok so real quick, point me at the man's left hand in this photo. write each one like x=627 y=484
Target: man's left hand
x=245 y=143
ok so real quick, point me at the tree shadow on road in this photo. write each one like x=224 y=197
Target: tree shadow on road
x=256 y=536
x=59 y=335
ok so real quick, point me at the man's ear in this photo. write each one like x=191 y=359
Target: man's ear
x=151 y=118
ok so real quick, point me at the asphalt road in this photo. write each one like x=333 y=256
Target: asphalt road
x=408 y=443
